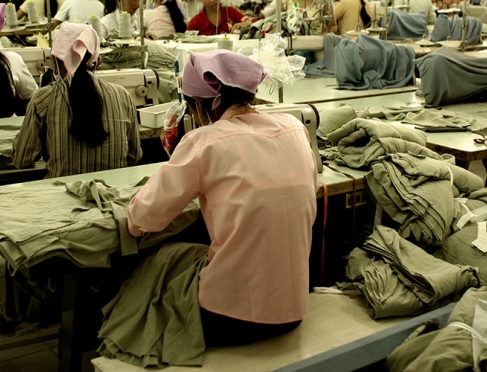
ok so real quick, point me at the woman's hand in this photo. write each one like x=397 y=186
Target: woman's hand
x=241 y=25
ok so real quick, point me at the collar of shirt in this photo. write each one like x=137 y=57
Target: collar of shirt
x=223 y=26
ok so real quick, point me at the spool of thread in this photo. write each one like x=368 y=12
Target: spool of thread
x=11 y=16
x=94 y=21
x=125 y=27
x=225 y=43
x=32 y=12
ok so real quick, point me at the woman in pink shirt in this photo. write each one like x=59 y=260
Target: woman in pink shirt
x=255 y=177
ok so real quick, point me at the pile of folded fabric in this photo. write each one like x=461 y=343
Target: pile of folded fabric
x=399 y=278
x=460 y=346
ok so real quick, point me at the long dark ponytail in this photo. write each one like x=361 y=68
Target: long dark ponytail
x=364 y=15
x=7 y=107
x=176 y=15
x=86 y=107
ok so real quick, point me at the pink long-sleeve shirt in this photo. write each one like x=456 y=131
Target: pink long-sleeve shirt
x=256 y=179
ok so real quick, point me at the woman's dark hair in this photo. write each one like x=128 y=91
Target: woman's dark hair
x=176 y=16
x=86 y=107
x=110 y=6
x=364 y=15
x=231 y=95
x=52 y=6
x=7 y=108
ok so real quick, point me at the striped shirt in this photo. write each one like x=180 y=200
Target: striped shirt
x=45 y=132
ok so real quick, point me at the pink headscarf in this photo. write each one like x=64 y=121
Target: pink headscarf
x=205 y=73
x=3 y=9
x=71 y=43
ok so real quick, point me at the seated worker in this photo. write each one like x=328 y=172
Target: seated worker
x=256 y=179
x=54 y=5
x=417 y=6
x=349 y=12
x=78 y=123
x=167 y=18
x=77 y=11
x=111 y=19
x=16 y=83
x=215 y=19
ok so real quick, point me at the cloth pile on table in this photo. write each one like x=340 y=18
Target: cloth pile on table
x=82 y=221
x=370 y=63
x=9 y=127
x=404 y=25
x=399 y=278
x=450 y=28
x=163 y=325
x=448 y=76
x=326 y=67
x=460 y=346
x=361 y=141
x=421 y=194
x=458 y=248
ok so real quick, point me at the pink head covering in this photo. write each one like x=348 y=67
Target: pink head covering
x=205 y=73
x=3 y=9
x=71 y=43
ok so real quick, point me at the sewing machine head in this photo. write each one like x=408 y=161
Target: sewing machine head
x=37 y=59
x=306 y=113
x=141 y=84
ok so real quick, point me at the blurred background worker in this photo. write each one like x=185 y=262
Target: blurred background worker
x=59 y=127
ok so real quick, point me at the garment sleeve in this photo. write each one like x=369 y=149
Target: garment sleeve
x=27 y=146
x=25 y=84
x=168 y=191
x=63 y=12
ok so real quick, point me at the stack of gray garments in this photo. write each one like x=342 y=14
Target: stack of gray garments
x=403 y=25
x=458 y=248
x=401 y=279
x=9 y=127
x=159 y=59
x=326 y=67
x=455 y=347
x=447 y=68
x=82 y=221
x=370 y=63
x=447 y=28
x=419 y=194
x=361 y=141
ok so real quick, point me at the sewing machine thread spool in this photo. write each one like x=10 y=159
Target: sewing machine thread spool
x=125 y=26
x=32 y=12
x=11 y=16
x=225 y=43
x=94 y=21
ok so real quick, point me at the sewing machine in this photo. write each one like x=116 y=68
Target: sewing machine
x=141 y=84
x=304 y=112
x=37 y=59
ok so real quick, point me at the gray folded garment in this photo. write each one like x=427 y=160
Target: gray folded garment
x=448 y=349
x=450 y=28
x=369 y=63
x=361 y=141
x=417 y=193
x=333 y=119
x=403 y=25
x=428 y=277
x=444 y=69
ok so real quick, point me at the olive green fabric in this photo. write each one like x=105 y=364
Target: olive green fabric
x=155 y=318
x=446 y=350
